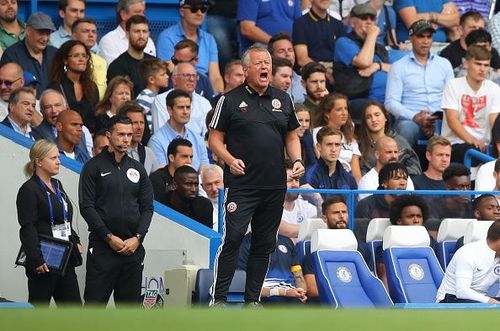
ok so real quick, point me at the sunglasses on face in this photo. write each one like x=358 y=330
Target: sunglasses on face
x=195 y=9
x=8 y=83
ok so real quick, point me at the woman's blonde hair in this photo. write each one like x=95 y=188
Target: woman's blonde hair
x=105 y=104
x=38 y=151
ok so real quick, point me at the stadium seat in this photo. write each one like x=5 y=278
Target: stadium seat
x=306 y=229
x=413 y=271
x=476 y=231
x=374 y=236
x=450 y=230
x=342 y=275
x=205 y=279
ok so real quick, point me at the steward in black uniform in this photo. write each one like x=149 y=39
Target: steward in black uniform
x=251 y=127
x=116 y=200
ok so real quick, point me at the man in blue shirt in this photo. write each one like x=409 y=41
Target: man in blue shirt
x=69 y=12
x=415 y=86
x=192 y=13
x=179 y=109
x=261 y=19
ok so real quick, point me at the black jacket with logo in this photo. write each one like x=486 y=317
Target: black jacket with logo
x=115 y=197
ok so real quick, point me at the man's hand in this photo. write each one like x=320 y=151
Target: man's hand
x=424 y=118
x=116 y=243
x=237 y=167
x=372 y=30
x=297 y=170
x=493 y=300
x=478 y=143
x=130 y=246
x=80 y=248
x=367 y=72
x=298 y=293
x=42 y=269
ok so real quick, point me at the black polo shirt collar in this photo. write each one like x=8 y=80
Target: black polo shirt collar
x=25 y=47
x=317 y=18
x=251 y=91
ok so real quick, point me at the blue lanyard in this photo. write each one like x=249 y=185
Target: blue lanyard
x=59 y=197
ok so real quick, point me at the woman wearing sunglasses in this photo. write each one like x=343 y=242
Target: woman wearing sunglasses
x=71 y=73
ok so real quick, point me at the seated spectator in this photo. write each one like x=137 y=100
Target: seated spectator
x=328 y=172
x=282 y=74
x=12 y=29
x=69 y=12
x=305 y=135
x=488 y=176
x=184 y=77
x=295 y=209
x=71 y=74
x=375 y=125
x=482 y=38
x=386 y=22
x=471 y=105
x=233 y=77
x=358 y=56
x=184 y=196
x=11 y=76
x=33 y=53
x=336 y=216
x=258 y=23
x=179 y=110
x=280 y=47
x=192 y=14
x=438 y=153
x=119 y=90
x=212 y=180
x=315 y=33
x=455 y=51
x=154 y=73
x=69 y=135
x=415 y=86
x=115 y=42
x=456 y=177
x=471 y=271
x=101 y=142
x=405 y=210
x=137 y=150
x=441 y=13
x=386 y=151
x=314 y=82
x=284 y=281
x=333 y=112
x=85 y=30
x=186 y=50
x=21 y=108
x=485 y=208
x=52 y=103
x=126 y=64
x=392 y=176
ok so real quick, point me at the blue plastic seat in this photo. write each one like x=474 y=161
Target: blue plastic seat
x=450 y=230
x=306 y=229
x=374 y=236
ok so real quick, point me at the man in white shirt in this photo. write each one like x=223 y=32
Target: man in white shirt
x=386 y=151
x=115 y=42
x=472 y=271
x=212 y=181
x=471 y=105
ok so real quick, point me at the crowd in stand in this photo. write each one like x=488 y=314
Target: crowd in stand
x=389 y=97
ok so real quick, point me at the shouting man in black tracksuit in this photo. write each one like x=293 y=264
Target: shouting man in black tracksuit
x=116 y=200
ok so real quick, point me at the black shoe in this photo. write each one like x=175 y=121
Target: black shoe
x=254 y=305
x=219 y=305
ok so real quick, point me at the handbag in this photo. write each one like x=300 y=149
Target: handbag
x=76 y=258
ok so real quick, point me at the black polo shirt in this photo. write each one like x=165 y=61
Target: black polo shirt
x=18 y=53
x=318 y=34
x=255 y=128
x=126 y=65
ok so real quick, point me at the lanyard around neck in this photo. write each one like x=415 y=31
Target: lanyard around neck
x=59 y=197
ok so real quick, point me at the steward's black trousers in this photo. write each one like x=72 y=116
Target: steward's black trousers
x=263 y=209
x=108 y=271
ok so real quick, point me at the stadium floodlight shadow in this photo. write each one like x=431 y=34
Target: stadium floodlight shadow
x=413 y=271
x=374 y=236
x=306 y=229
x=343 y=277
x=450 y=230
x=205 y=279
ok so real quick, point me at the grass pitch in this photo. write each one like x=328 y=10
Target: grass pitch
x=275 y=318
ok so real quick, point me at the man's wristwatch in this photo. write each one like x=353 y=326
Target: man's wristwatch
x=300 y=161
x=108 y=237
x=139 y=237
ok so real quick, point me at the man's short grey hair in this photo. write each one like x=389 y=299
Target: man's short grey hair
x=245 y=58
x=125 y=5
x=44 y=93
x=176 y=68
x=211 y=169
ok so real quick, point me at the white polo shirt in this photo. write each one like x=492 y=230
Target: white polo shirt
x=471 y=272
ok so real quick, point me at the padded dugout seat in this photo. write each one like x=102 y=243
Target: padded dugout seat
x=450 y=230
x=306 y=229
x=476 y=231
x=343 y=277
x=413 y=271
x=374 y=236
